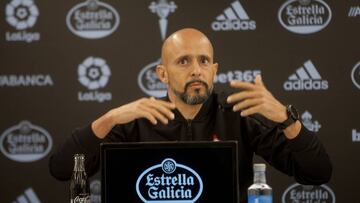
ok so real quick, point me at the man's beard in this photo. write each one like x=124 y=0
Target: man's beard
x=197 y=98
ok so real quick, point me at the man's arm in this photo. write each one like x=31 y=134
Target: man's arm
x=148 y=108
x=255 y=98
x=293 y=150
x=87 y=140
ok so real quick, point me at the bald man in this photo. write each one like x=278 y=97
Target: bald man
x=251 y=116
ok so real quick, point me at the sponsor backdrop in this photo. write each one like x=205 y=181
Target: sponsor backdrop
x=64 y=63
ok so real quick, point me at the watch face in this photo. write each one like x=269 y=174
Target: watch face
x=293 y=112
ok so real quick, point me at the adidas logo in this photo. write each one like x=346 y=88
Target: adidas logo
x=233 y=18
x=354 y=11
x=29 y=196
x=306 y=78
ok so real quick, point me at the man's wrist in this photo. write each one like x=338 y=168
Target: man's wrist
x=102 y=126
x=292 y=116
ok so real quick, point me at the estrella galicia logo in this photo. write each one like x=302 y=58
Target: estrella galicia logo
x=22 y=15
x=355 y=75
x=25 y=142
x=149 y=82
x=308 y=194
x=94 y=73
x=92 y=19
x=169 y=182
x=304 y=16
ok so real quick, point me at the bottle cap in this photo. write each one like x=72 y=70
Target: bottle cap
x=259 y=167
x=79 y=156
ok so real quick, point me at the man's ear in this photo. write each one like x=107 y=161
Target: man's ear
x=162 y=74
x=215 y=66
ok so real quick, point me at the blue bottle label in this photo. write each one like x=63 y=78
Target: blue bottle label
x=260 y=199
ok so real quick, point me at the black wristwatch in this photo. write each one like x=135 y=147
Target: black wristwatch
x=293 y=116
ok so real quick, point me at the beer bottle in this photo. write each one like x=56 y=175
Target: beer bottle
x=79 y=184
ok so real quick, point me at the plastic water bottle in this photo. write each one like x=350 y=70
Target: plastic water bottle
x=259 y=192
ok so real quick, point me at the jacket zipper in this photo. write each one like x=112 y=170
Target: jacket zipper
x=188 y=129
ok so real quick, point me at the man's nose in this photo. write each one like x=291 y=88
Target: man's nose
x=196 y=70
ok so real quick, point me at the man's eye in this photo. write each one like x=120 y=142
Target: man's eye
x=204 y=60
x=183 y=61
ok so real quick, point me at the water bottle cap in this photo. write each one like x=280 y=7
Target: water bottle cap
x=259 y=167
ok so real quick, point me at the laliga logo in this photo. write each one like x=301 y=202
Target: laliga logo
x=304 y=16
x=169 y=182
x=22 y=14
x=94 y=73
x=308 y=194
x=92 y=19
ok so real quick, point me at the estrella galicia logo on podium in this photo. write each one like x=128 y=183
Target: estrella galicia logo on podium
x=94 y=74
x=304 y=16
x=22 y=15
x=25 y=142
x=308 y=194
x=92 y=19
x=169 y=182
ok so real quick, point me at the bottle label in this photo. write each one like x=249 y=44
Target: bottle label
x=81 y=199
x=260 y=199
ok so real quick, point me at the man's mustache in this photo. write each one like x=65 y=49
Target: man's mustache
x=196 y=81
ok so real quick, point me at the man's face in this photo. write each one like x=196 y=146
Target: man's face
x=188 y=62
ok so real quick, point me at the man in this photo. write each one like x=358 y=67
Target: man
x=192 y=111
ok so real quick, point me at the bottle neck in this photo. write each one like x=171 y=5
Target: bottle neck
x=259 y=177
x=79 y=164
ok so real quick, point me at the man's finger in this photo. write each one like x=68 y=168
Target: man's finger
x=159 y=116
x=150 y=117
x=162 y=108
x=248 y=103
x=242 y=85
x=169 y=105
x=236 y=97
x=258 y=80
x=251 y=111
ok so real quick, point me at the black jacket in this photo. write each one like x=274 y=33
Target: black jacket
x=303 y=157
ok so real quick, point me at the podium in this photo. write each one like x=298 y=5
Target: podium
x=178 y=172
